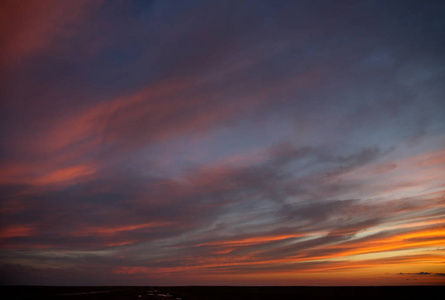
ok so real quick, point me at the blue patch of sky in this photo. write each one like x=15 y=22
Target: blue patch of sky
x=141 y=8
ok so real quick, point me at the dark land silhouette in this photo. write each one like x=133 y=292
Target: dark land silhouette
x=219 y=292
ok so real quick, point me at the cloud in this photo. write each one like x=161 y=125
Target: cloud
x=418 y=273
x=165 y=143
x=30 y=28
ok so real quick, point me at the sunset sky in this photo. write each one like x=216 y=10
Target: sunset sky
x=222 y=142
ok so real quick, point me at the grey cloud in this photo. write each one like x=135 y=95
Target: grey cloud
x=418 y=273
x=132 y=200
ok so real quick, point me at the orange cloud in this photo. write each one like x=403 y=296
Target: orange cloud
x=109 y=231
x=21 y=175
x=16 y=231
x=251 y=241
x=340 y=258
x=65 y=175
x=424 y=238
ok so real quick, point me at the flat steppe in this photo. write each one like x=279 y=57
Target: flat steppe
x=219 y=293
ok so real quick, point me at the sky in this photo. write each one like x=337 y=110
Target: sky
x=222 y=142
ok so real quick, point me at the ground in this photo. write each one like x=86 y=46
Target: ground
x=218 y=293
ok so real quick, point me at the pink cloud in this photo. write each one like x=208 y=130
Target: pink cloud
x=30 y=27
